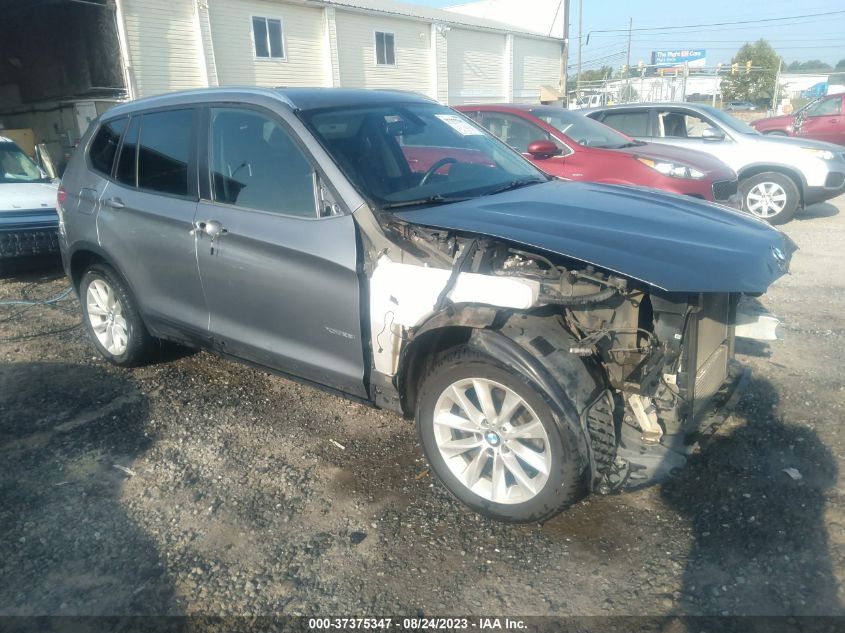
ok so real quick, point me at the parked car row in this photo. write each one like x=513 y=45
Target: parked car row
x=569 y=145
x=550 y=337
x=777 y=175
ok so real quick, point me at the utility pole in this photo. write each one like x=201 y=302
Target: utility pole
x=775 y=91
x=628 y=60
x=580 y=41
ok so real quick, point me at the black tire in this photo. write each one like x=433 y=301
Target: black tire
x=750 y=187
x=565 y=483
x=139 y=342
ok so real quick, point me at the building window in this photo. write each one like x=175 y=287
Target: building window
x=385 y=49
x=267 y=36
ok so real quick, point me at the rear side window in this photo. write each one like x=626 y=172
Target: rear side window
x=127 y=170
x=630 y=123
x=164 y=151
x=104 y=145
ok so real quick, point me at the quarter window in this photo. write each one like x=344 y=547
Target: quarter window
x=268 y=39
x=104 y=145
x=385 y=49
x=256 y=164
x=164 y=151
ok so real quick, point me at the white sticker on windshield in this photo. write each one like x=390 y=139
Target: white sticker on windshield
x=462 y=127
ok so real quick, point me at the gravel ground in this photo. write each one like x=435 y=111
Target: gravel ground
x=200 y=486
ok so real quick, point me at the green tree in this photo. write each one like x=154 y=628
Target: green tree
x=840 y=65
x=757 y=84
x=594 y=74
x=810 y=66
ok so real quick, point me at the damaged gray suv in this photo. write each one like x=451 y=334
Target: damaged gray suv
x=551 y=338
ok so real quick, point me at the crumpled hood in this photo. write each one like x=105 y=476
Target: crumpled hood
x=672 y=242
x=27 y=195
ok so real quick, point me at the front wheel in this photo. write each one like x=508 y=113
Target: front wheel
x=491 y=439
x=770 y=196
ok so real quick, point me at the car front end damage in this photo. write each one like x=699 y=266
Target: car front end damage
x=632 y=364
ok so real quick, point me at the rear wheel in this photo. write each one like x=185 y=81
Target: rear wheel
x=491 y=439
x=770 y=196
x=111 y=317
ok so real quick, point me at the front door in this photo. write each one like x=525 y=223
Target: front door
x=145 y=217
x=281 y=281
x=824 y=122
x=519 y=134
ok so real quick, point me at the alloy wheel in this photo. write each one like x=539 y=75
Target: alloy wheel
x=492 y=441
x=105 y=313
x=766 y=199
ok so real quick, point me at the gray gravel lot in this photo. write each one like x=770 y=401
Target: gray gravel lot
x=197 y=485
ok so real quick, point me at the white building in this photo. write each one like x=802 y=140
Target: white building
x=455 y=58
x=64 y=62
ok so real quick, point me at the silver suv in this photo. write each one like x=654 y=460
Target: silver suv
x=386 y=249
x=777 y=175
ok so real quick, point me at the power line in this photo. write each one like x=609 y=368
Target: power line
x=693 y=26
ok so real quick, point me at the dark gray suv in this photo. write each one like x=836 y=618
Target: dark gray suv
x=549 y=337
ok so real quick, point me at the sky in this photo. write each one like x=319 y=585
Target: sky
x=800 y=39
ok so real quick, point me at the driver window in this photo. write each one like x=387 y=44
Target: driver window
x=515 y=132
x=827 y=107
x=681 y=125
x=256 y=164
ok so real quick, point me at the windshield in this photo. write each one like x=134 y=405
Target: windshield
x=733 y=123
x=584 y=131
x=15 y=166
x=401 y=154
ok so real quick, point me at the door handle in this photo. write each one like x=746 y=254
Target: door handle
x=115 y=203
x=212 y=228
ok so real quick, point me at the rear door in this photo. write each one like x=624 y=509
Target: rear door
x=824 y=122
x=635 y=122
x=146 y=215
x=281 y=278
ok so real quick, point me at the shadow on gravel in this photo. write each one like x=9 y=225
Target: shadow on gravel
x=66 y=543
x=820 y=210
x=760 y=543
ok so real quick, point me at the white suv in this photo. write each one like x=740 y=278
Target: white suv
x=777 y=175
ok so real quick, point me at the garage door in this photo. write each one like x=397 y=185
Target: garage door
x=476 y=67
x=535 y=63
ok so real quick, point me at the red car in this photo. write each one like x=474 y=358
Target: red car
x=820 y=120
x=572 y=146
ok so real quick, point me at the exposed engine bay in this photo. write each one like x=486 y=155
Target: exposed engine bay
x=663 y=356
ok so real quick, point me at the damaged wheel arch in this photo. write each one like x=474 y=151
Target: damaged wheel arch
x=537 y=347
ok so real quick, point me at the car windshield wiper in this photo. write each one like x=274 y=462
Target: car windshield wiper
x=514 y=184
x=435 y=199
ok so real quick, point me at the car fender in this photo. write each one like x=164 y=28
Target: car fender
x=535 y=345
x=538 y=347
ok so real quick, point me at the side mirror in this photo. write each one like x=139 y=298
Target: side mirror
x=712 y=134
x=543 y=149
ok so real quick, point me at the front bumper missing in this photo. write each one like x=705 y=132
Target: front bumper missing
x=641 y=462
